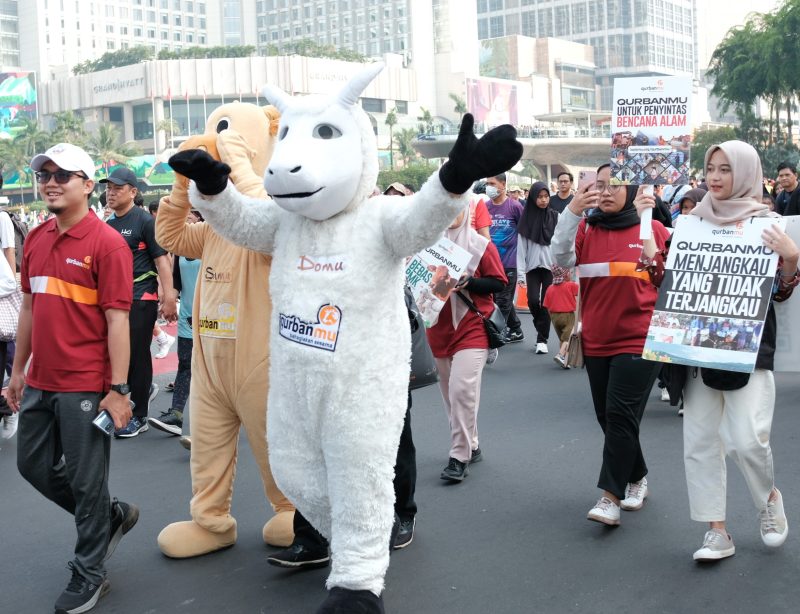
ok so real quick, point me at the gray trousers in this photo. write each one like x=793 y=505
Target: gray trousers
x=65 y=457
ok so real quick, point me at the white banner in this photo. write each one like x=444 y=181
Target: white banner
x=713 y=301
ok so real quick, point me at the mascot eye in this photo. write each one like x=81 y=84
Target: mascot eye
x=326 y=131
x=223 y=124
x=282 y=134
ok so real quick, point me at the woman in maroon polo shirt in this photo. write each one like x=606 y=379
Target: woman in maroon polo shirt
x=460 y=345
x=616 y=305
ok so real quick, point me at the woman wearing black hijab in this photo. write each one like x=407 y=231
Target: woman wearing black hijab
x=617 y=302
x=535 y=231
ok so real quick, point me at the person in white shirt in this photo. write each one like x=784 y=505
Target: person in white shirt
x=8 y=285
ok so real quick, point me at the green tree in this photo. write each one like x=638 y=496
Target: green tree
x=31 y=137
x=530 y=171
x=460 y=105
x=391 y=121
x=114 y=59
x=404 y=139
x=107 y=145
x=426 y=120
x=15 y=159
x=68 y=128
x=704 y=138
x=411 y=176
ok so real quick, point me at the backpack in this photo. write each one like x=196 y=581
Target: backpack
x=20 y=232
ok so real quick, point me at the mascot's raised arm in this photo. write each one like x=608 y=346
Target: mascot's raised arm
x=340 y=341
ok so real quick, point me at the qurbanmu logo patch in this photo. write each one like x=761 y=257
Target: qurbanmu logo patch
x=322 y=334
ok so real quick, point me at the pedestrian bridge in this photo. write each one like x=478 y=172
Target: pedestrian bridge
x=552 y=150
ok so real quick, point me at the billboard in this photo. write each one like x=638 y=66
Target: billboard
x=492 y=102
x=17 y=101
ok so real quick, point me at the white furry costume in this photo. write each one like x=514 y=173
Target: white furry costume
x=340 y=341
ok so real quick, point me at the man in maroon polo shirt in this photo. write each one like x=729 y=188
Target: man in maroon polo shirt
x=73 y=325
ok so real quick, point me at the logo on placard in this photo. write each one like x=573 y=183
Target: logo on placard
x=322 y=334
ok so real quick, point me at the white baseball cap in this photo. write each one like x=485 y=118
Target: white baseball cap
x=66 y=156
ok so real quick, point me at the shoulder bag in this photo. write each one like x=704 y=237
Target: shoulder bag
x=575 y=344
x=9 y=315
x=495 y=324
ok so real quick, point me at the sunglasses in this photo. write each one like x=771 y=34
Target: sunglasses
x=60 y=176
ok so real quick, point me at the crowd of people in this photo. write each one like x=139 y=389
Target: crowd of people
x=113 y=281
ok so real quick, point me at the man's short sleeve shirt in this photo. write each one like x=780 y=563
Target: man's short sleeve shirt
x=73 y=278
x=138 y=228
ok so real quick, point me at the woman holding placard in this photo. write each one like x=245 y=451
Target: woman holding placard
x=725 y=411
x=616 y=306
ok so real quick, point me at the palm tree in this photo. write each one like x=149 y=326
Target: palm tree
x=460 y=104
x=427 y=120
x=391 y=121
x=107 y=145
x=170 y=128
x=31 y=137
x=68 y=129
x=404 y=138
x=14 y=157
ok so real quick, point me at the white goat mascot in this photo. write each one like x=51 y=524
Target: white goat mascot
x=340 y=340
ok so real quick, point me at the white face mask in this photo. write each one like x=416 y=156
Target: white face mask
x=492 y=192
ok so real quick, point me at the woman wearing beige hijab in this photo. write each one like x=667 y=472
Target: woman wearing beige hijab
x=733 y=421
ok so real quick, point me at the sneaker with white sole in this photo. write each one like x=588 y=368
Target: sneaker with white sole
x=491 y=357
x=9 y=427
x=774 y=527
x=153 y=393
x=561 y=361
x=665 y=395
x=170 y=421
x=635 y=494
x=716 y=545
x=164 y=346
x=605 y=511
x=541 y=348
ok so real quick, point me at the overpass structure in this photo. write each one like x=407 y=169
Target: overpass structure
x=552 y=150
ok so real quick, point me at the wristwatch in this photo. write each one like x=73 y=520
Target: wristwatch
x=122 y=389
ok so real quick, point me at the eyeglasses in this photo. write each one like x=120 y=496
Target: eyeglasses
x=612 y=188
x=60 y=176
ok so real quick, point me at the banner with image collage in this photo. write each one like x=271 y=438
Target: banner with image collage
x=715 y=294
x=651 y=131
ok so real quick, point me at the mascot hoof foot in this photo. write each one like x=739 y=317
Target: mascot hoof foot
x=344 y=601
x=182 y=540
x=279 y=530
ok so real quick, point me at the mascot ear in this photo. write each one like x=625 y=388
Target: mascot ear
x=277 y=97
x=273 y=117
x=349 y=94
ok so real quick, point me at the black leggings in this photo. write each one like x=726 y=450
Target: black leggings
x=620 y=386
x=184 y=376
x=140 y=372
x=538 y=281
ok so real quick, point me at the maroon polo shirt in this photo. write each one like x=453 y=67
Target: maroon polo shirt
x=73 y=277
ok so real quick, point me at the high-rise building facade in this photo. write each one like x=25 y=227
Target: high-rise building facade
x=370 y=27
x=55 y=35
x=629 y=37
x=9 y=34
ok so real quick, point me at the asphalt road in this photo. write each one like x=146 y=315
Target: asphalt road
x=511 y=539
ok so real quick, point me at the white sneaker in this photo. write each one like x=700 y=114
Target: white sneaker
x=561 y=361
x=635 y=494
x=9 y=427
x=665 y=395
x=163 y=346
x=774 y=527
x=541 y=348
x=716 y=546
x=605 y=511
x=492 y=356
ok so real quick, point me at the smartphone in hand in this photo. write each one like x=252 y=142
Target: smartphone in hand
x=587 y=178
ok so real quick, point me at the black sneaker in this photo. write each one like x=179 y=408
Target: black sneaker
x=80 y=595
x=298 y=556
x=123 y=517
x=170 y=421
x=515 y=336
x=405 y=534
x=477 y=456
x=345 y=601
x=455 y=471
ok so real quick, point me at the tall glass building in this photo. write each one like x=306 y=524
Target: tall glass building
x=629 y=37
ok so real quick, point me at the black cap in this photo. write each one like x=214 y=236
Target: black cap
x=121 y=176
